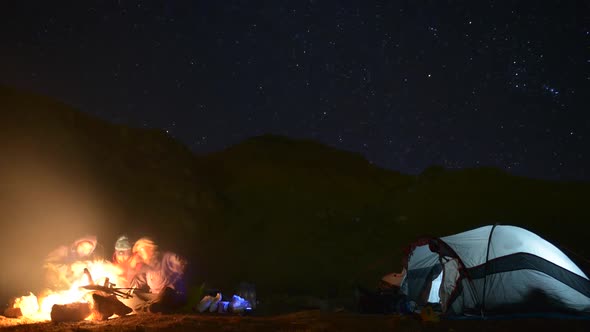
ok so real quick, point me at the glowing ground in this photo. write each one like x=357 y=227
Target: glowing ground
x=300 y=321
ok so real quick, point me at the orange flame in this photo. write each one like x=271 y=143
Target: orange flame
x=38 y=308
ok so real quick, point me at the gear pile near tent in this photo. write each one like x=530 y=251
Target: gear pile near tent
x=494 y=269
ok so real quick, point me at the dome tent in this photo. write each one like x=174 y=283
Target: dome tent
x=495 y=269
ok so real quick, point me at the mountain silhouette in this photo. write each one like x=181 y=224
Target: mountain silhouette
x=293 y=216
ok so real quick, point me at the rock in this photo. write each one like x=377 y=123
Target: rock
x=13 y=313
x=71 y=312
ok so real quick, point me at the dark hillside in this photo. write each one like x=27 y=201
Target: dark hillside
x=295 y=217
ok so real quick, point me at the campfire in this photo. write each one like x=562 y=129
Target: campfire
x=90 y=293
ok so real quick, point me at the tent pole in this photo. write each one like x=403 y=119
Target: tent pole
x=485 y=276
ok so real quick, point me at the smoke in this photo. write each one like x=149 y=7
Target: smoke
x=61 y=178
x=43 y=204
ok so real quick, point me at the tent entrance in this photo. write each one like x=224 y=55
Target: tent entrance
x=434 y=296
x=444 y=285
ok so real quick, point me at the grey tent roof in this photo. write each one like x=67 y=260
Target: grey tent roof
x=500 y=266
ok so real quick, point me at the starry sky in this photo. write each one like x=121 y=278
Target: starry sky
x=407 y=84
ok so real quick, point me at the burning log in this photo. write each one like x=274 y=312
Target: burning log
x=71 y=312
x=106 y=306
x=13 y=313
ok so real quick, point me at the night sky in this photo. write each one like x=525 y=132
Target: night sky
x=407 y=84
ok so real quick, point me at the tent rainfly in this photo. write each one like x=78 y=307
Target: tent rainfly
x=494 y=269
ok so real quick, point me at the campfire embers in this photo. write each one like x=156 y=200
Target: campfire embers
x=104 y=303
x=84 y=300
x=105 y=299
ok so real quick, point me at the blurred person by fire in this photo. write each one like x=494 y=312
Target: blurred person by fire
x=58 y=262
x=80 y=250
x=123 y=258
x=160 y=281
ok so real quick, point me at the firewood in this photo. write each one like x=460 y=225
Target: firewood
x=106 y=306
x=71 y=312
x=13 y=313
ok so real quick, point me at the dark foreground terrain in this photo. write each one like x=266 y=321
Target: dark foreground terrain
x=300 y=321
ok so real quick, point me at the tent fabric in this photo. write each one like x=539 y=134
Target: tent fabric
x=449 y=281
x=495 y=268
x=423 y=267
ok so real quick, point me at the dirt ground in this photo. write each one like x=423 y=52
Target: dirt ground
x=300 y=321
